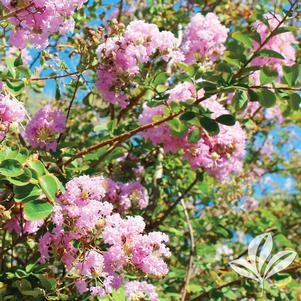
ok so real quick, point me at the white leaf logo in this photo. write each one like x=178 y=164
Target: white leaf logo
x=258 y=267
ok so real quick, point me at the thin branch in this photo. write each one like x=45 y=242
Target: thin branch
x=56 y=76
x=172 y=207
x=109 y=150
x=276 y=88
x=120 y=11
x=70 y=105
x=12 y=14
x=192 y=250
x=128 y=135
x=133 y=102
x=120 y=138
x=265 y=41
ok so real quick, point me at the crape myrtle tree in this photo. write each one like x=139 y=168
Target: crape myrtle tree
x=144 y=144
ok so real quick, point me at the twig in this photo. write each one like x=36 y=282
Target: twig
x=276 y=88
x=12 y=14
x=192 y=250
x=109 y=150
x=265 y=41
x=127 y=135
x=70 y=105
x=133 y=102
x=120 y=138
x=120 y=11
x=172 y=207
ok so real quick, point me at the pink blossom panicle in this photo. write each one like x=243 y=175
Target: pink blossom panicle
x=85 y=212
x=219 y=155
x=281 y=43
x=39 y=19
x=136 y=290
x=11 y=110
x=122 y=56
x=43 y=129
x=204 y=38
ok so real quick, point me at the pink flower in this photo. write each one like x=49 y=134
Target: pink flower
x=11 y=110
x=136 y=290
x=162 y=134
x=81 y=286
x=281 y=43
x=91 y=264
x=40 y=19
x=112 y=244
x=43 y=129
x=204 y=38
x=220 y=155
x=122 y=55
x=97 y=291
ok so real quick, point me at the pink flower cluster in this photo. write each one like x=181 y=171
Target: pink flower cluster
x=42 y=130
x=162 y=134
x=85 y=214
x=136 y=290
x=281 y=43
x=204 y=38
x=219 y=155
x=39 y=19
x=11 y=110
x=122 y=56
x=222 y=154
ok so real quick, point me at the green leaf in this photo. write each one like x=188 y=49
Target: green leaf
x=210 y=125
x=267 y=75
x=22 y=284
x=15 y=86
x=242 y=38
x=175 y=107
x=294 y=101
x=253 y=96
x=38 y=166
x=226 y=119
x=177 y=127
x=269 y=53
x=48 y=283
x=49 y=186
x=240 y=101
x=24 y=70
x=37 y=209
x=27 y=193
x=291 y=74
x=11 y=66
x=283 y=29
x=18 y=61
x=194 y=136
x=23 y=179
x=160 y=78
x=231 y=60
x=187 y=115
x=254 y=35
x=189 y=69
x=11 y=168
x=34 y=293
x=267 y=98
x=161 y=88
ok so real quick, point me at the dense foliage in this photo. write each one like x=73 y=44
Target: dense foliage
x=144 y=144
